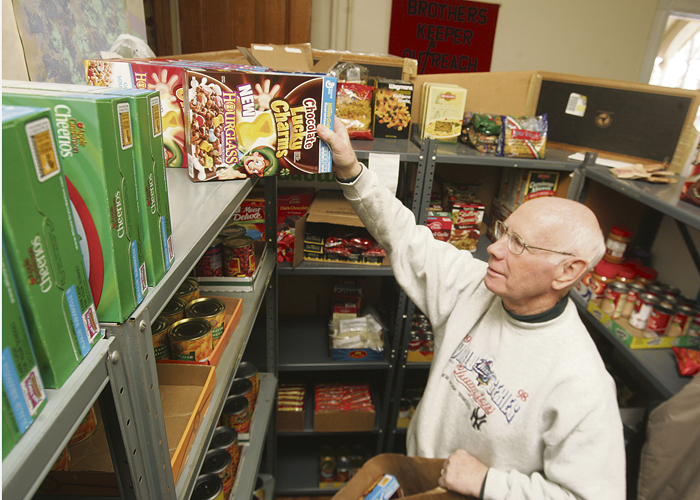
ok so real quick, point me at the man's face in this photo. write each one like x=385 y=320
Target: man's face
x=255 y=163
x=522 y=281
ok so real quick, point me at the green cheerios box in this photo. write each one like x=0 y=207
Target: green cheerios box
x=96 y=144
x=152 y=183
x=23 y=394
x=42 y=245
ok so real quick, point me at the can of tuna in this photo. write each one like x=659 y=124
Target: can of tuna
x=243 y=387
x=190 y=339
x=642 y=310
x=188 y=290
x=212 y=262
x=208 y=487
x=159 y=335
x=239 y=258
x=236 y=414
x=681 y=321
x=232 y=230
x=658 y=321
x=250 y=371
x=85 y=429
x=174 y=310
x=211 y=309
x=226 y=438
x=218 y=462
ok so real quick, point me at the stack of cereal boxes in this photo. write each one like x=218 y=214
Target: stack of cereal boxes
x=231 y=121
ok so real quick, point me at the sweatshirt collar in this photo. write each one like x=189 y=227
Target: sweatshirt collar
x=543 y=316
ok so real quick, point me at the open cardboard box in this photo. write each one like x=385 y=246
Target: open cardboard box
x=234 y=307
x=328 y=207
x=185 y=392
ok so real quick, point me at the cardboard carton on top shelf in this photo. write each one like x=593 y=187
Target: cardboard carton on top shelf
x=42 y=245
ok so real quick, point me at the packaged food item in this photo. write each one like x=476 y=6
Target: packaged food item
x=208 y=487
x=616 y=244
x=85 y=429
x=218 y=462
x=383 y=489
x=212 y=262
x=188 y=290
x=523 y=136
x=392 y=108
x=63 y=461
x=614 y=299
x=688 y=361
x=191 y=339
x=483 y=131
x=243 y=387
x=353 y=106
x=442 y=111
x=519 y=186
x=243 y=124
x=226 y=438
x=96 y=144
x=249 y=371
x=42 y=247
x=211 y=309
x=236 y=414
x=159 y=335
x=174 y=310
x=239 y=256
x=23 y=394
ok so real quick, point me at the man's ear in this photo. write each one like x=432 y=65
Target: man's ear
x=569 y=273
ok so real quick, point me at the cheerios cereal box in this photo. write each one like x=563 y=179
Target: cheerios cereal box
x=96 y=144
x=243 y=124
x=392 y=108
x=23 y=394
x=42 y=245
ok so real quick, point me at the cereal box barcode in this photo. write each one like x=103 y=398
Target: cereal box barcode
x=125 y=125
x=576 y=105
x=155 y=116
x=43 y=149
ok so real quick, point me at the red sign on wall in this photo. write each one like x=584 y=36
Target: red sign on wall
x=444 y=36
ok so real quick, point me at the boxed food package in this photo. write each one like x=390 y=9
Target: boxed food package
x=392 y=108
x=519 y=186
x=442 y=111
x=151 y=182
x=341 y=407
x=43 y=251
x=163 y=75
x=291 y=408
x=253 y=124
x=23 y=394
x=440 y=223
x=95 y=140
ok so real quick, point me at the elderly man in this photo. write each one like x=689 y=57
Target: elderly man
x=518 y=400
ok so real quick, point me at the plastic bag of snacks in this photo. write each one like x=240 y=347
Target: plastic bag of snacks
x=484 y=131
x=350 y=72
x=354 y=107
x=523 y=136
x=691 y=188
x=688 y=361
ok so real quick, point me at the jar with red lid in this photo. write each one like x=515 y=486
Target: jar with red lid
x=646 y=274
x=616 y=244
x=625 y=274
x=603 y=273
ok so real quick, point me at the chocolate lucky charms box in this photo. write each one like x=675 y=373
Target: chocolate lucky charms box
x=242 y=124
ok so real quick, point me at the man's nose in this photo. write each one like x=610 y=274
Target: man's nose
x=498 y=248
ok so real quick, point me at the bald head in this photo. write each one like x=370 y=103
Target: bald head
x=565 y=225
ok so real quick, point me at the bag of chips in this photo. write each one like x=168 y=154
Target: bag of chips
x=523 y=136
x=688 y=361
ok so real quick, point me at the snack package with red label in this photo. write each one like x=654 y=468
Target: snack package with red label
x=354 y=107
x=523 y=137
x=688 y=360
x=691 y=187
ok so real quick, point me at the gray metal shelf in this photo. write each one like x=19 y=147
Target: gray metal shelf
x=662 y=197
x=555 y=159
x=307 y=268
x=27 y=464
x=406 y=149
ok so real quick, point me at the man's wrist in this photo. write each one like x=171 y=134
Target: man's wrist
x=351 y=178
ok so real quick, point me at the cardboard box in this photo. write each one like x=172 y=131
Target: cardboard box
x=151 y=181
x=23 y=394
x=328 y=207
x=419 y=357
x=95 y=139
x=234 y=308
x=185 y=393
x=335 y=404
x=253 y=124
x=633 y=337
x=42 y=246
x=344 y=421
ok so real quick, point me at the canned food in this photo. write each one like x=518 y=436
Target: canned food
x=243 y=387
x=658 y=321
x=681 y=321
x=211 y=309
x=218 y=462
x=250 y=371
x=633 y=291
x=239 y=258
x=85 y=429
x=212 y=262
x=174 y=310
x=232 y=230
x=226 y=438
x=342 y=469
x=694 y=328
x=236 y=414
x=208 y=487
x=63 y=461
x=159 y=335
x=642 y=310
x=655 y=289
x=191 y=339
x=188 y=290
x=326 y=464
x=614 y=299
x=259 y=491
x=405 y=408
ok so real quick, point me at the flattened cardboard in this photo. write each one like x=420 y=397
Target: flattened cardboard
x=344 y=421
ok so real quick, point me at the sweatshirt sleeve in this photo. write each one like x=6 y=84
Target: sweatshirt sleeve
x=433 y=273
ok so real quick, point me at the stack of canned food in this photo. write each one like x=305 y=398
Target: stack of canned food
x=230 y=254
x=189 y=326
x=630 y=292
x=242 y=398
x=337 y=464
x=421 y=334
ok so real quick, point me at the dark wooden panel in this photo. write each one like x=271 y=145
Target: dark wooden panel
x=299 y=18
x=218 y=28
x=243 y=22
x=273 y=18
x=192 y=26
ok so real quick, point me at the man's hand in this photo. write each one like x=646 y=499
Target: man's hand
x=345 y=164
x=463 y=474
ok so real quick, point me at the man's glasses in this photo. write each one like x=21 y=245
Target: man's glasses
x=515 y=241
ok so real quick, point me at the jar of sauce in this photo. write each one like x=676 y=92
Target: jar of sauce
x=616 y=244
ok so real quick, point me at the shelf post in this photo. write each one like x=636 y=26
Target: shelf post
x=271 y=314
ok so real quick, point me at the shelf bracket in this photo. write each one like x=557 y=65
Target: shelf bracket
x=578 y=178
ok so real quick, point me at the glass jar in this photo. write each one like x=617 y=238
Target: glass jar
x=625 y=274
x=602 y=274
x=646 y=275
x=616 y=244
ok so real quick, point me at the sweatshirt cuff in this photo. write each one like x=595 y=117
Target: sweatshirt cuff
x=495 y=485
x=359 y=186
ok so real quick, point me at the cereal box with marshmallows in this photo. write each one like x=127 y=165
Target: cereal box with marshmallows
x=253 y=124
